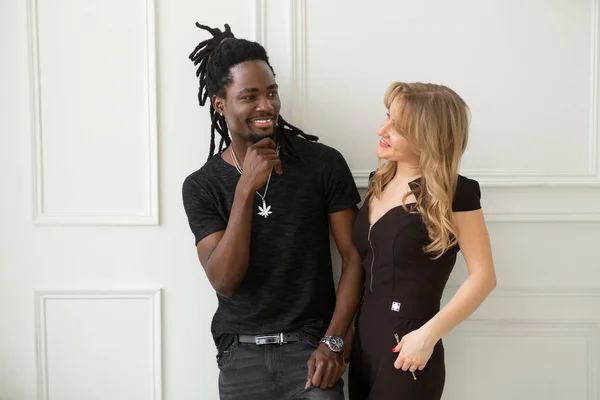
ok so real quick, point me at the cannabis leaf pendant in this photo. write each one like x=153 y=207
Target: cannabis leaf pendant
x=265 y=210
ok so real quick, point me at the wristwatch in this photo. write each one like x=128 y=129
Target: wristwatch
x=335 y=343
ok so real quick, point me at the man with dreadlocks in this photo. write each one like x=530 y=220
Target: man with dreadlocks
x=260 y=211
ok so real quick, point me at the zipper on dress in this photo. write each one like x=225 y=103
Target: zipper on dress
x=372 y=258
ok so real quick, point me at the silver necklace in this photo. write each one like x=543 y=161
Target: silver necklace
x=265 y=210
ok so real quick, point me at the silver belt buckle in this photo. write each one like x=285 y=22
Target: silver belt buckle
x=269 y=339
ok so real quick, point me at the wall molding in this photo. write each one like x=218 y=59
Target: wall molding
x=260 y=20
x=513 y=327
x=589 y=177
x=154 y=301
x=549 y=292
x=586 y=217
x=298 y=59
x=544 y=328
x=361 y=178
x=562 y=178
x=40 y=216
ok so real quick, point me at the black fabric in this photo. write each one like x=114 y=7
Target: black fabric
x=372 y=374
x=467 y=196
x=250 y=372
x=289 y=282
x=403 y=290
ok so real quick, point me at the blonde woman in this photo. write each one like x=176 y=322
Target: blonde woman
x=418 y=214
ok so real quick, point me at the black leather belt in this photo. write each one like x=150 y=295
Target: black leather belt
x=271 y=338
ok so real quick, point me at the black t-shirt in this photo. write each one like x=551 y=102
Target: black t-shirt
x=289 y=284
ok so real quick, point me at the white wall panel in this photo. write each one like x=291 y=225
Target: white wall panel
x=528 y=70
x=99 y=345
x=528 y=76
x=527 y=343
x=94 y=112
x=509 y=359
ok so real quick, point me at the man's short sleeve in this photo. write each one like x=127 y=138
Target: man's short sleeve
x=340 y=188
x=203 y=216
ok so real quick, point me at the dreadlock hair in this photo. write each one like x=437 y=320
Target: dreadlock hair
x=214 y=58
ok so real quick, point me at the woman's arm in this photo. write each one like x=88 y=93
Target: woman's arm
x=416 y=347
x=474 y=243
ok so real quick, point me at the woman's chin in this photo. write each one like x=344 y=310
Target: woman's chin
x=382 y=152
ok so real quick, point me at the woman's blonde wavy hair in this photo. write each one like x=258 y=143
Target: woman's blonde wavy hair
x=434 y=120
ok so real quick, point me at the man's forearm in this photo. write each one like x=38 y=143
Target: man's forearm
x=349 y=294
x=228 y=263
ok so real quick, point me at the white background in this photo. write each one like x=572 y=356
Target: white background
x=99 y=125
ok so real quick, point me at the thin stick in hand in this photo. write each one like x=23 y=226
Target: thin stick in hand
x=398 y=341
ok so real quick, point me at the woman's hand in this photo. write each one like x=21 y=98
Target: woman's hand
x=414 y=350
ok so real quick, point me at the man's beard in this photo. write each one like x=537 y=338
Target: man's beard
x=255 y=137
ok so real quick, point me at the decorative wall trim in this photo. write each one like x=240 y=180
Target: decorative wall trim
x=543 y=217
x=498 y=179
x=507 y=327
x=362 y=179
x=152 y=296
x=40 y=216
x=511 y=292
x=260 y=20
x=545 y=328
x=565 y=178
x=589 y=177
x=298 y=59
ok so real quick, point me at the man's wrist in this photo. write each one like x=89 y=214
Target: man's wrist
x=244 y=190
x=323 y=348
x=333 y=343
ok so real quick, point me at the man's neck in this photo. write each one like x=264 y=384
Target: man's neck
x=240 y=147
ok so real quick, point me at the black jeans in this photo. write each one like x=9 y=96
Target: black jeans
x=271 y=372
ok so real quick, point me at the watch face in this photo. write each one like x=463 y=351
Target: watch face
x=335 y=343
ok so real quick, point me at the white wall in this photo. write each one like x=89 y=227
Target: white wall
x=91 y=176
